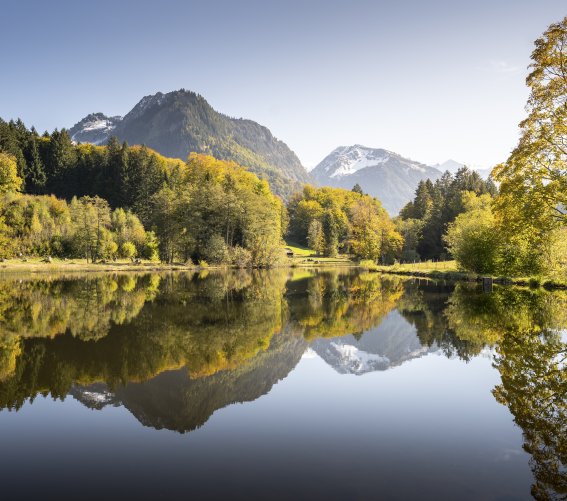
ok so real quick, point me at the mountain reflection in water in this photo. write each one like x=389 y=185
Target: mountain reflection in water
x=173 y=349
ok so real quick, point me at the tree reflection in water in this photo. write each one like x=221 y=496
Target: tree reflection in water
x=173 y=348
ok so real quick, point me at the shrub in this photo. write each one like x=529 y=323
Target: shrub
x=128 y=250
x=368 y=264
x=151 y=247
x=216 y=250
x=240 y=257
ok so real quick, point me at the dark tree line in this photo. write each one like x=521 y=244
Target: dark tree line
x=425 y=219
x=125 y=176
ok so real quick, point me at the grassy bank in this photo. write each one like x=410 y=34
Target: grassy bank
x=80 y=265
x=448 y=270
x=302 y=258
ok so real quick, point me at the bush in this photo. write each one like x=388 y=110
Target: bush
x=472 y=238
x=151 y=247
x=368 y=264
x=216 y=250
x=240 y=257
x=128 y=250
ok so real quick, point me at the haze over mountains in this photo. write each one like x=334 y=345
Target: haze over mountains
x=180 y=122
x=453 y=166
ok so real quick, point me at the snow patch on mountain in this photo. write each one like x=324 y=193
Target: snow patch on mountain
x=351 y=360
x=381 y=173
x=346 y=160
x=95 y=128
x=99 y=124
x=94 y=396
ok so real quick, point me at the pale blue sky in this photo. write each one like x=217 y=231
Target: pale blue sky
x=430 y=80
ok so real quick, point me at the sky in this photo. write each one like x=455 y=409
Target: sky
x=431 y=80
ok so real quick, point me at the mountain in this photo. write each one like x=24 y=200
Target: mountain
x=388 y=345
x=95 y=128
x=174 y=401
x=453 y=166
x=381 y=173
x=180 y=122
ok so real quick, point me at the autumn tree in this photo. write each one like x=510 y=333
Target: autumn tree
x=472 y=238
x=333 y=220
x=531 y=209
x=315 y=236
x=366 y=229
x=91 y=216
x=9 y=179
x=534 y=178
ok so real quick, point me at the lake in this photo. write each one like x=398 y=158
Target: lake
x=288 y=384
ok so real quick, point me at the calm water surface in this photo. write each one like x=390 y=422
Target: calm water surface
x=279 y=385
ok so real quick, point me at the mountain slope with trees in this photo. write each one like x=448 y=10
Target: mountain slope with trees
x=201 y=210
x=181 y=122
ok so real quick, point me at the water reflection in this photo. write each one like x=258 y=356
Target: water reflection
x=174 y=348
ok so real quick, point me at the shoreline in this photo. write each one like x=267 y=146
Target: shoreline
x=461 y=276
x=78 y=266
x=37 y=266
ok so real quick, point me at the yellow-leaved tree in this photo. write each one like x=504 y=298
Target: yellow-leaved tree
x=9 y=179
x=531 y=208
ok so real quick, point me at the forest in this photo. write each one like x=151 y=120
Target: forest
x=103 y=202
x=59 y=198
x=119 y=201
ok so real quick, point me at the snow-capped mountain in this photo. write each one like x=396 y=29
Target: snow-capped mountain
x=95 y=128
x=392 y=343
x=381 y=173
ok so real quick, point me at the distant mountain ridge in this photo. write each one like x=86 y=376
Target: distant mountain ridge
x=453 y=166
x=449 y=165
x=383 y=174
x=180 y=122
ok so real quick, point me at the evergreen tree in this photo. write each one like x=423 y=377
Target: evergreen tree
x=62 y=158
x=436 y=205
x=35 y=177
x=357 y=189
